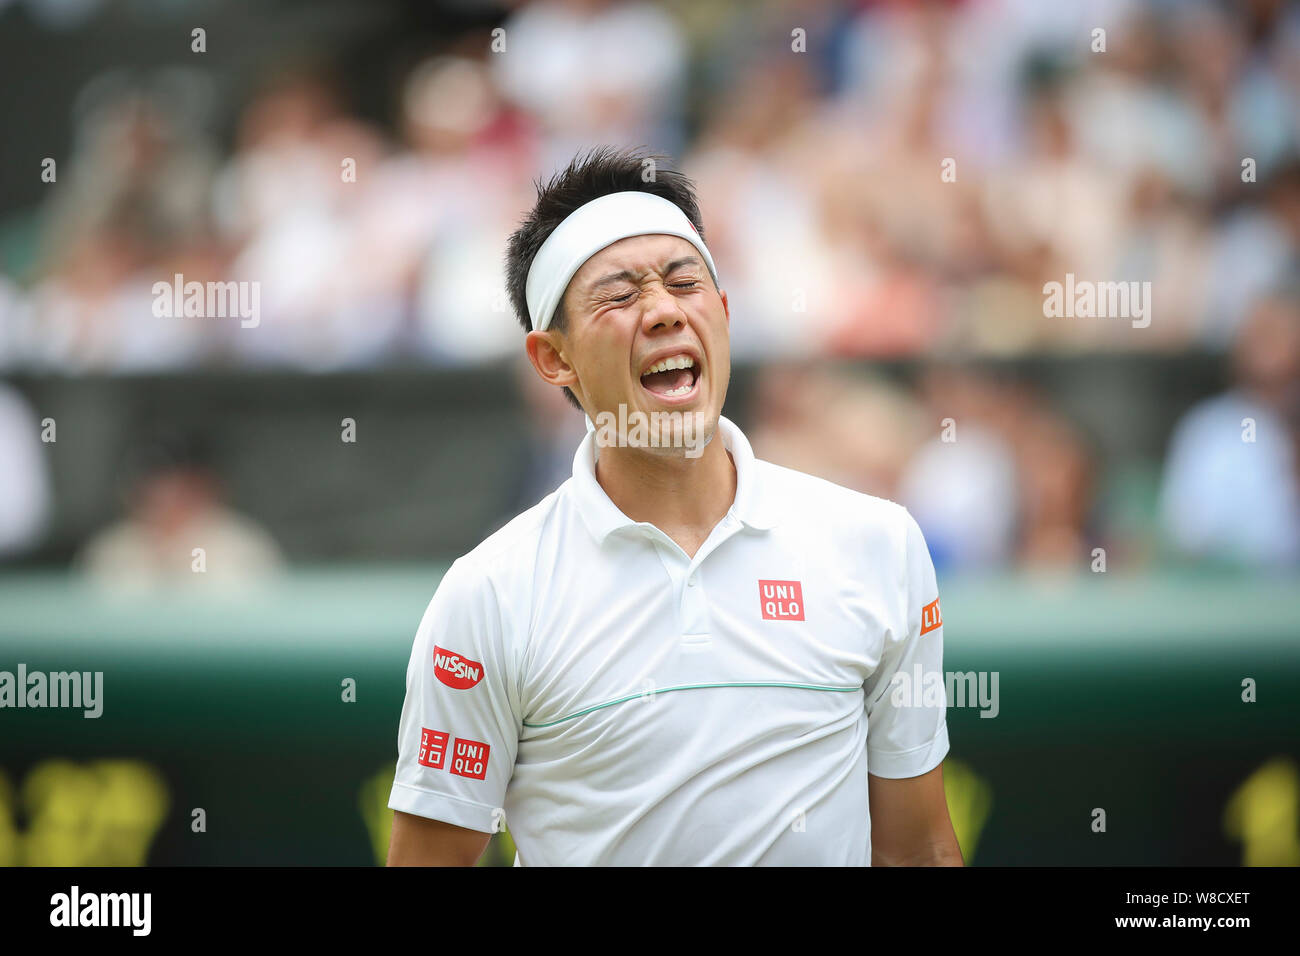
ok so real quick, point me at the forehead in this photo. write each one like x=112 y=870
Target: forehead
x=635 y=254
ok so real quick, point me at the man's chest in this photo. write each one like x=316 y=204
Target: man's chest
x=652 y=624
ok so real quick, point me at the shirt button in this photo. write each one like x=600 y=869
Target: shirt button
x=690 y=582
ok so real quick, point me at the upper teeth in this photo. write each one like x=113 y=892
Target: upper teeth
x=676 y=361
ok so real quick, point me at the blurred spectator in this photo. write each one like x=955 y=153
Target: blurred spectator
x=453 y=199
x=1167 y=244
x=174 y=509
x=595 y=71
x=1062 y=205
x=24 y=481
x=760 y=209
x=1231 y=490
x=1056 y=478
x=133 y=199
x=290 y=198
x=855 y=431
x=1257 y=248
x=962 y=486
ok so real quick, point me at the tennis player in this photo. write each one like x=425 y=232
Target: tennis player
x=684 y=655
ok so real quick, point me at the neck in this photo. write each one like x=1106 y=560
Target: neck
x=682 y=497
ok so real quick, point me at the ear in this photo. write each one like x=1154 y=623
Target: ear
x=545 y=352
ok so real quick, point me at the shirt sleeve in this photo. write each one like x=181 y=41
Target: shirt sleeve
x=459 y=732
x=906 y=696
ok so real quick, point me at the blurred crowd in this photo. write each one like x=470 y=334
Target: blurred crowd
x=999 y=478
x=877 y=180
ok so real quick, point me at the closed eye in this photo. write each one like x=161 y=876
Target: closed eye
x=676 y=285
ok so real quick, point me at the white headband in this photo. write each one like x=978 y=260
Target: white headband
x=592 y=227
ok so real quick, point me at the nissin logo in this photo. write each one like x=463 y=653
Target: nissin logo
x=454 y=670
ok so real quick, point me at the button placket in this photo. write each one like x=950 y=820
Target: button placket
x=695 y=608
x=676 y=566
x=697 y=623
x=694 y=622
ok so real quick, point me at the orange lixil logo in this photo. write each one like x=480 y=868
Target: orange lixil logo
x=930 y=617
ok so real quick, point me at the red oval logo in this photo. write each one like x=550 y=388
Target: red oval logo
x=454 y=670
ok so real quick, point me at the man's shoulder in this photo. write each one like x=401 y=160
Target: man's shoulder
x=821 y=501
x=508 y=554
x=874 y=536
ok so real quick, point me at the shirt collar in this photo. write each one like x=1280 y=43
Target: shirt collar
x=752 y=505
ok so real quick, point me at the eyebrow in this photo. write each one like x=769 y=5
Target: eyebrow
x=632 y=277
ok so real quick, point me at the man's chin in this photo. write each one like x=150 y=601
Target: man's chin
x=665 y=432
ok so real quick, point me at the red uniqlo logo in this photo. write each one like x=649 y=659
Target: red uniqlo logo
x=433 y=748
x=781 y=600
x=930 y=617
x=469 y=758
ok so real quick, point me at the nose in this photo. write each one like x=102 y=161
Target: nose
x=661 y=310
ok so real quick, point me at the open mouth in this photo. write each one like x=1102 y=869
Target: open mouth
x=673 y=377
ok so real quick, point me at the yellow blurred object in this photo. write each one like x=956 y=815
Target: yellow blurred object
x=970 y=799
x=105 y=813
x=1262 y=814
x=378 y=816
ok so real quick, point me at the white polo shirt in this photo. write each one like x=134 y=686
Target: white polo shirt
x=620 y=703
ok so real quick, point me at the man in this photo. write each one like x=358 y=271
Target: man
x=684 y=655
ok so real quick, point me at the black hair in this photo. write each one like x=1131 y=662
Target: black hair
x=599 y=172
